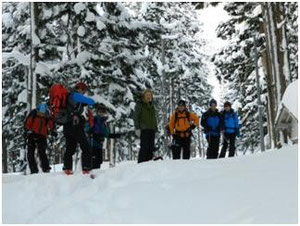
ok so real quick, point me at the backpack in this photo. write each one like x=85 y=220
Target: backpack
x=31 y=114
x=187 y=113
x=167 y=127
x=58 y=103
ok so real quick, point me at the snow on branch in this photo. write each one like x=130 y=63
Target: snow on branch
x=23 y=59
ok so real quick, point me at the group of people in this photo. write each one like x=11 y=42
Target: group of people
x=180 y=126
x=90 y=130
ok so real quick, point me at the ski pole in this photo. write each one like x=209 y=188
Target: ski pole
x=91 y=149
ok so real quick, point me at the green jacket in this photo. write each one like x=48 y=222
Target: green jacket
x=145 y=116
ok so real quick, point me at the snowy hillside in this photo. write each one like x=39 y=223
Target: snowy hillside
x=260 y=188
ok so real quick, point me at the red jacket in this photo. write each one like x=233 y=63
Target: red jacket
x=39 y=124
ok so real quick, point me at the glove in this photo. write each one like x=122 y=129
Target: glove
x=54 y=134
x=138 y=132
x=75 y=120
x=192 y=127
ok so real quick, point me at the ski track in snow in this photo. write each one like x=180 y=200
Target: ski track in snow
x=260 y=188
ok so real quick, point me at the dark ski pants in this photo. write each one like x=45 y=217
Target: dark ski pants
x=41 y=143
x=229 y=139
x=147 y=145
x=213 y=147
x=75 y=135
x=97 y=157
x=183 y=143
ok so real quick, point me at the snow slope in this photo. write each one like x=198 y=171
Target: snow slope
x=259 y=188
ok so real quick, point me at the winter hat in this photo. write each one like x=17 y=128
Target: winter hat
x=182 y=103
x=81 y=85
x=227 y=103
x=42 y=108
x=212 y=101
x=101 y=107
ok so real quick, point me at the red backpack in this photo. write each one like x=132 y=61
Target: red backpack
x=58 y=103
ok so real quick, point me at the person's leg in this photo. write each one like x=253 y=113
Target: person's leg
x=176 y=148
x=96 y=158
x=215 y=146
x=42 y=146
x=144 y=147
x=186 y=144
x=232 y=145
x=151 y=144
x=225 y=146
x=209 y=152
x=71 y=145
x=85 y=147
x=30 y=155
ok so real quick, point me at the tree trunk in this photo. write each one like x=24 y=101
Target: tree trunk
x=269 y=70
x=34 y=12
x=4 y=156
x=278 y=18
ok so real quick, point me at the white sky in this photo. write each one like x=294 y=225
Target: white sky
x=211 y=17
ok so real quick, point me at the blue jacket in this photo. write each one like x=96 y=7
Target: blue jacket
x=100 y=131
x=75 y=104
x=231 y=122
x=212 y=122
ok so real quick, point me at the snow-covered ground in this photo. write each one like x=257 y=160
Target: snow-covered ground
x=259 y=188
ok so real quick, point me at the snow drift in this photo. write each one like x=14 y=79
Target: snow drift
x=260 y=188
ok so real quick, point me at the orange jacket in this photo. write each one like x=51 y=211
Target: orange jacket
x=182 y=124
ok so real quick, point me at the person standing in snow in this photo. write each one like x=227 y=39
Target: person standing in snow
x=98 y=133
x=74 y=129
x=231 y=130
x=37 y=126
x=145 y=125
x=213 y=124
x=181 y=124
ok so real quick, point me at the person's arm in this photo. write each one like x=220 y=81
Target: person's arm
x=50 y=124
x=136 y=116
x=236 y=121
x=222 y=124
x=28 y=123
x=172 y=123
x=237 y=125
x=155 y=118
x=203 y=120
x=195 y=119
x=79 y=98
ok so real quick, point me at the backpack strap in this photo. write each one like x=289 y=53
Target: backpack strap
x=187 y=114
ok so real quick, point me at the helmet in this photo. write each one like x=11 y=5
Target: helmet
x=81 y=85
x=42 y=108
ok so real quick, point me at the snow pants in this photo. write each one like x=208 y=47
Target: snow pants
x=75 y=135
x=213 y=147
x=229 y=138
x=39 y=141
x=147 y=145
x=97 y=157
x=183 y=143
